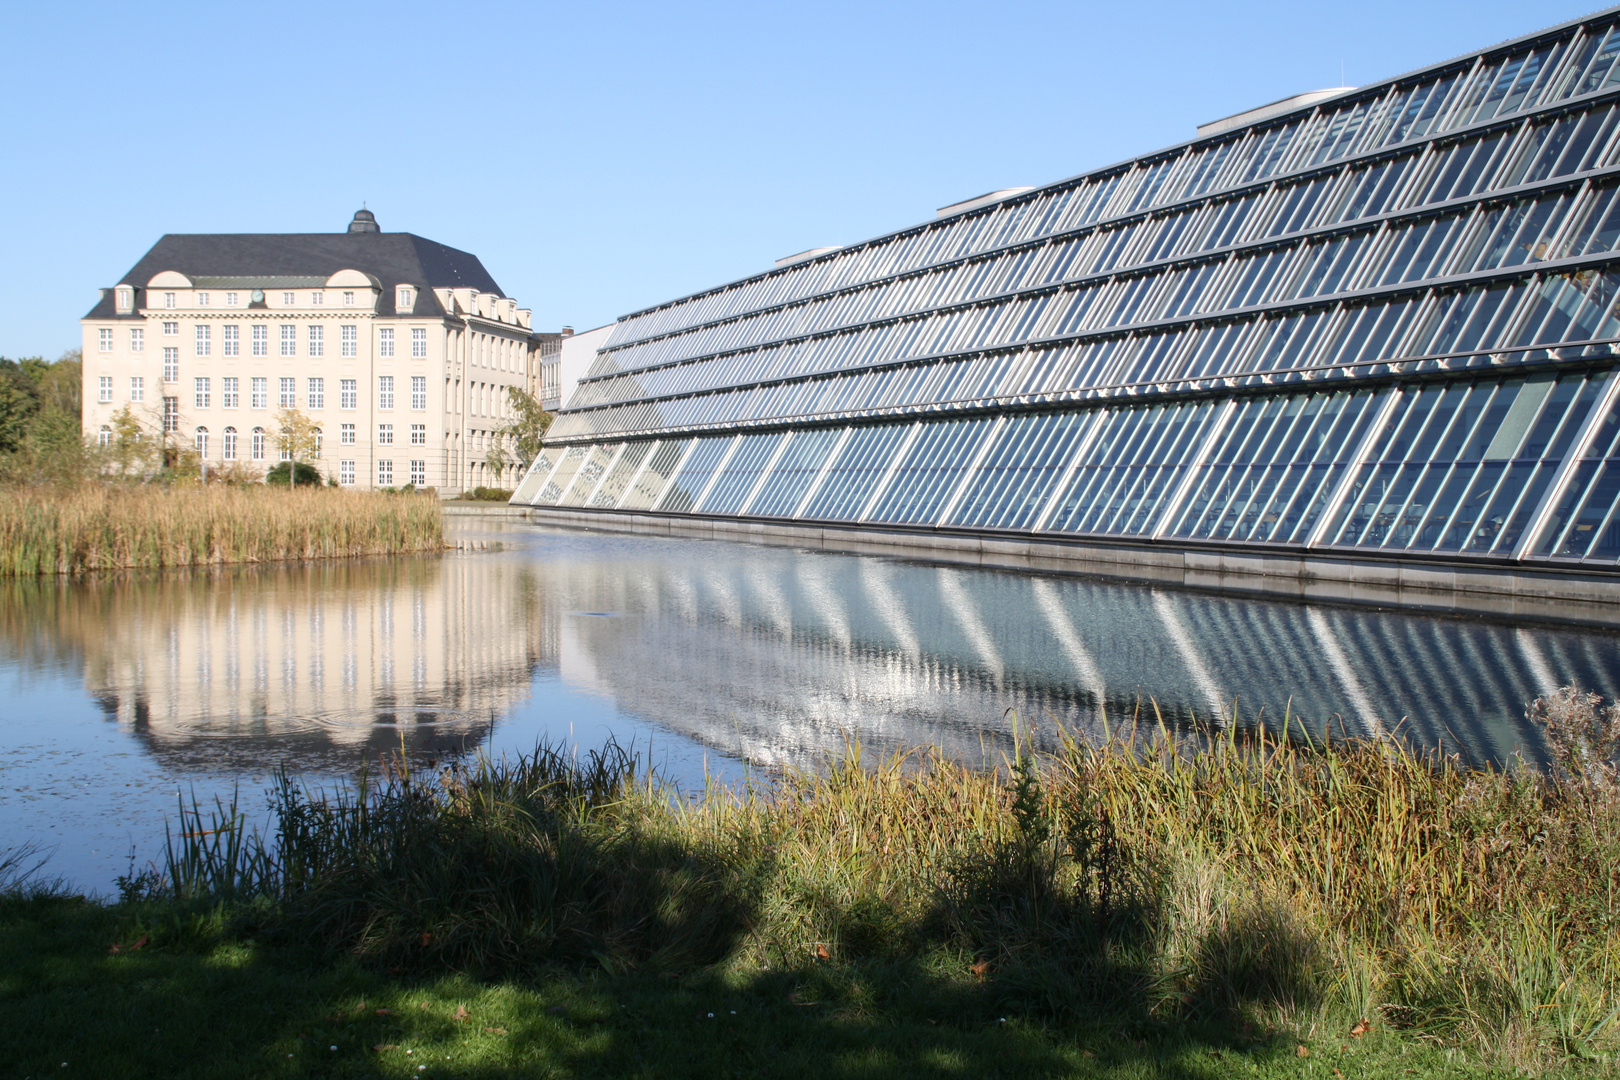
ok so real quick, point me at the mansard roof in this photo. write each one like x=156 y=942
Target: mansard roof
x=395 y=258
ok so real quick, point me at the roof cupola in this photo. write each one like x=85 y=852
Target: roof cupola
x=364 y=221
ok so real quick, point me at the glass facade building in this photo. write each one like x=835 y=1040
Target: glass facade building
x=1383 y=322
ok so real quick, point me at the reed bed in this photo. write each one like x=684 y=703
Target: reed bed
x=1254 y=880
x=90 y=528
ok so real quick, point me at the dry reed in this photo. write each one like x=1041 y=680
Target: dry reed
x=48 y=530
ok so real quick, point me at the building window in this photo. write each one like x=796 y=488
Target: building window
x=283 y=453
x=168 y=299
x=202 y=299
x=229 y=396
x=204 y=345
x=202 y=442
x=104 y=388
x=419 y=473
x=287 y=299
x=171 y=364
x=419 y=392
x=348 y=339
x=230 y=444
x=419 y=342
x=230 y=340
x=171 y=415
x=385 y=434
x=346 y=434
x=385 y=474
x=317 y=393
x=348 y=394
x=104 y=436
x=385 y=341
x=261 y=339
x=289 y=340
x=289 y=392
x=317 y=341
x=348 y=299
x=126 y=299
x=200 y=392
x=171 y=329
x=105 y=338
x=137 y=339
x=403 y=299
x=346 y=472
x=418 y=434
x=259 y=393
x=230 y=299
x=320 y=440
x=385 y=391
x=317 y=298
x=137 y=388
x=256 y=446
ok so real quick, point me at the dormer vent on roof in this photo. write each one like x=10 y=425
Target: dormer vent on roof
x=364 y=221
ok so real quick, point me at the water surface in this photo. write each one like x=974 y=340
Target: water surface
x=117 y=694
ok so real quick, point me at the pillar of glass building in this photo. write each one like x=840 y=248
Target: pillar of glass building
x=1377 y=323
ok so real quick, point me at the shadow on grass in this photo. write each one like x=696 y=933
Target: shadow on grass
x=195 y=1005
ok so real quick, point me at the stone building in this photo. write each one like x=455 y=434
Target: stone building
x=399 y=349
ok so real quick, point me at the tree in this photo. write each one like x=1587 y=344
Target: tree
x=130 y=450
x=518 y=443
x=297 y=437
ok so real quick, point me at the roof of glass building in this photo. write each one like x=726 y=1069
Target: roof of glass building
x=1381 y=321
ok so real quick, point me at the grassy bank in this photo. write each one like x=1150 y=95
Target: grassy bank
x=1246 y=906
x=91 y=527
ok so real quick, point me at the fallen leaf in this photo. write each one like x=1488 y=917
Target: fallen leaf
x=494 y=1031
x=1302 y=1051
x=1336 y=1072
x=140 y=942
x=1361 y=1028
x=425 y=939
x=821 y=952
x=1087 y=1053
x=460 y=1013
x=980 y=968
x=385 y=1012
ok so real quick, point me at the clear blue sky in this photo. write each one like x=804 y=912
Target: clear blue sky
x=600 y=157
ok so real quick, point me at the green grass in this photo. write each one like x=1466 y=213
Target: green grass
x=1169 y=905
x=197 y=1002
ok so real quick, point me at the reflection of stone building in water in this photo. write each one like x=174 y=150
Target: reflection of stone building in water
x=318 y=665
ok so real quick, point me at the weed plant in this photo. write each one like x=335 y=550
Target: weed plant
x=1253 y=882
x=93 y=527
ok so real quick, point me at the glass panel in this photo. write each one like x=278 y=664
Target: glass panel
x=929 y=473
x=736 y=481
x=620 y=475
x=653 y=479
x=1017 y=475
x=539 y=470
x=562 y=477
x=694 y=474
x=589 y=474
x=1275 y=467
x=794 y=471
x=852 y=477
x=1131 y=469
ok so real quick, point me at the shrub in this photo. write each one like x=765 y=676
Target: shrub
x=490 y=494
x=307 y=475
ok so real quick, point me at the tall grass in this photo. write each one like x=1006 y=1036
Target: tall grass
x=1246 y=880
x=70 y=530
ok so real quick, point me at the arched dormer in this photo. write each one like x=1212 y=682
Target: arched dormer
x=169 y=279
x=352 y=279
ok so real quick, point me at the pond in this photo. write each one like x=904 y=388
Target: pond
x=710 y=657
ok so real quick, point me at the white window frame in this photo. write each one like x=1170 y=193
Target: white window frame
x=346 y=472
x=419 y=393
x=289 y=339
x=230 y=340
x=105 y=338
x=385 y=434
x=418 y=342
x=205 y=339
x=228 y=444
x=385 y=473
x=346 y=434
x=104 y=389
x=348 y=393
x=202 y=391
x=171 y=363
x=261 y=339
x=317 y=340
x=288 y=395
x=418 y=473
x=230 y=395
x=348 y=339
x=259 y=392
x=418 y=434
x=137 y=339
x=137 y=388
x=385 y=341
x=385 y=391
x=315 y=392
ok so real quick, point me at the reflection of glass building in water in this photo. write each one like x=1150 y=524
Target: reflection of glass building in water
x=317 y=665
x=1371 y=326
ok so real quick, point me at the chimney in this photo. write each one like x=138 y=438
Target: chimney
x=568 y=331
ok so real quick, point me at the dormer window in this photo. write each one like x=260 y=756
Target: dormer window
x=168 y=299
x=287 y=299
x=125 y=298
x=348 y=299
x=230 y=299
x=202 y=299
x=405 y=298
x=317 y=298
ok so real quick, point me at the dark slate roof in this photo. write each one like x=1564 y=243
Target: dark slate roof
x=392 y=258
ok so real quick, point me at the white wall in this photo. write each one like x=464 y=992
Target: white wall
x=577 y=353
